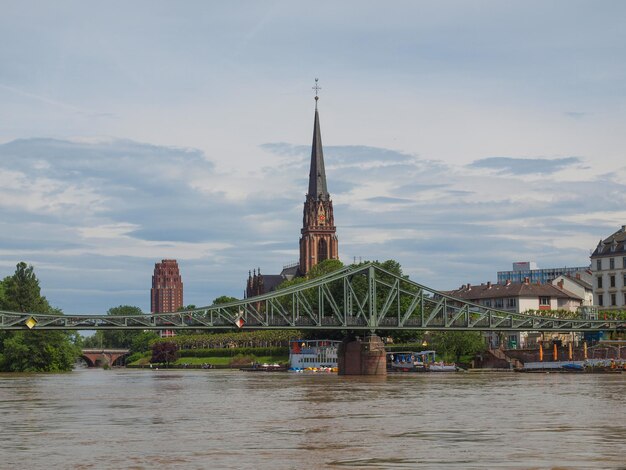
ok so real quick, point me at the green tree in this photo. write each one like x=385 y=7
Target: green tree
x=143 y=341
x=33 y=351
x=224 y=299
x=186 y=307
x=115 y=338
x=454 y=344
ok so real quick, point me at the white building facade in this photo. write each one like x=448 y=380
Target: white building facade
x=608 y=268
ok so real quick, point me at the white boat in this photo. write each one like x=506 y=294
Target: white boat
x=313 y=355
x=442 y=367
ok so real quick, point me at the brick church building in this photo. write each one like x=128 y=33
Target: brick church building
x=319 y=239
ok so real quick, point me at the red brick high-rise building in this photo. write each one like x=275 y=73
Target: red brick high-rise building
x=166 y=294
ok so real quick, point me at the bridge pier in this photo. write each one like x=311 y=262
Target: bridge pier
x=362 y=357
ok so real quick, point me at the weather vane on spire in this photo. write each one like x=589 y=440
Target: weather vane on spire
x=317 y=88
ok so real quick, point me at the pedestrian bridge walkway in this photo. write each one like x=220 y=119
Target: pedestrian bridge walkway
x=363 y=297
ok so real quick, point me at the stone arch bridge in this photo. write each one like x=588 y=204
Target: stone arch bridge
x=100 y=357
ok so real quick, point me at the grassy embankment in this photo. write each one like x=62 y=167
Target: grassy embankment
x=235 y=362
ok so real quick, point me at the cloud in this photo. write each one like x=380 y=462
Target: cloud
x=525 y=166
x=94 y=216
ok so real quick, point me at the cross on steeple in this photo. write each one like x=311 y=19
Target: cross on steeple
x=316 y=88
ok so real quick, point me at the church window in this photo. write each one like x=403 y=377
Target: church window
x=322 y=250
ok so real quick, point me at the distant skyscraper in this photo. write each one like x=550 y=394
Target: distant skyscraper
x=166 y=294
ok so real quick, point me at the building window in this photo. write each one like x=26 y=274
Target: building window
x=487 y=302
x=612 y=280
x=624 y=262
x=624 y=281
x=624 y=298
x=544 y=300
x=499 y=303
x=613 y=300
x=599 y=282
x=512 y=302
x=600 y=300
x=612 y=263
x=599 y=265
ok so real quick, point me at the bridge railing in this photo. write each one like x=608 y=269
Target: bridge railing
x=365 y=297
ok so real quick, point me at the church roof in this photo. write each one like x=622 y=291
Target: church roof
x=317 y=174
x=272 y=281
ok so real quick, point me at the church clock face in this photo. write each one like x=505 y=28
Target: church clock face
x=321 y=218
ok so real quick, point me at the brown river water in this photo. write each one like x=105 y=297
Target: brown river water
x=148 y=419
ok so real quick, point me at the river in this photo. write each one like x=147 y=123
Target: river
x=147 y=419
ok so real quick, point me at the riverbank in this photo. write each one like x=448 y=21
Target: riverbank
x=212 y=362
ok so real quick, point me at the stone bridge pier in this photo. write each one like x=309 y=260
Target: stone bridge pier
x=362 y=357
x=102 y=357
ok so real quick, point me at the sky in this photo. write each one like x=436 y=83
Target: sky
x=459 y=137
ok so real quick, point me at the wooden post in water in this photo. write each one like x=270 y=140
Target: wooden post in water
x=571 y=353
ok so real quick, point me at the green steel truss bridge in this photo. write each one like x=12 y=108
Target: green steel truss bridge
x=364 y=297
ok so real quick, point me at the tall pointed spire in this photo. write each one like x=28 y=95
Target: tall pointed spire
x=317 y=173
x=319 y=240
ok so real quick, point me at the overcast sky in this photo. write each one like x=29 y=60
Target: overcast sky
x=459 y=137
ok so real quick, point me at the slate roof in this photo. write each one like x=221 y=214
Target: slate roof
x=317 y=173
x=616 y=243
x=271 y=281
x=514 y=289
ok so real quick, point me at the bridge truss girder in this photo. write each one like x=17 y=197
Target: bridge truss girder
x=365 y=297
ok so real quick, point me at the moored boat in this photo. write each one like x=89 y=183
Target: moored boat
x=313 y=355
x=421 y=361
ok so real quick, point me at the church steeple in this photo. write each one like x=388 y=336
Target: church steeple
x=319 y=241
x=317 y=173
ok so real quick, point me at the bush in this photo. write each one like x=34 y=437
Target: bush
x=136 y=356
x=229 y=352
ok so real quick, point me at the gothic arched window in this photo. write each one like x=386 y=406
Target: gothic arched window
x=322 y=250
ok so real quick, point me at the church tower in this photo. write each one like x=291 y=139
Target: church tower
x=319 y=240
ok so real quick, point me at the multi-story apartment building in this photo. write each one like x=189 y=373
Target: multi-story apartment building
x=608 y=267
x=519 y=297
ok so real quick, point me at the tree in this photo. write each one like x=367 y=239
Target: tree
x=115 y=338
x=33 y=351
x=164 y=352
x=184 y=308
x=224 y=299
x=143 y=341
x=457 y=343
